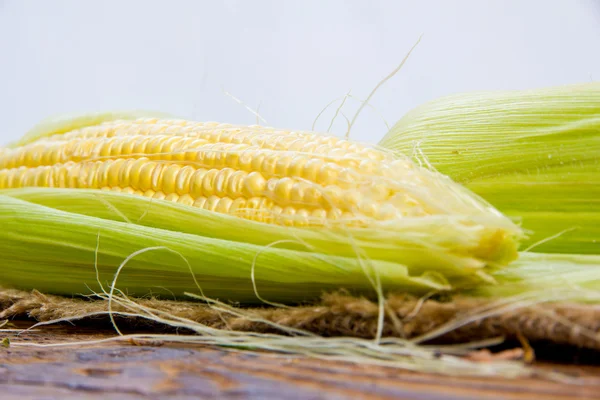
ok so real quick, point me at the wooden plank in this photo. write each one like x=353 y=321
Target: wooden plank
x=121 y=371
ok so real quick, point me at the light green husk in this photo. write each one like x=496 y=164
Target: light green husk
x=49 y=239
x=547 y=276
x=535 y=155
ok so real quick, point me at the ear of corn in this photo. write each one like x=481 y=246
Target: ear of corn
x=309 y=212
x=533 y=154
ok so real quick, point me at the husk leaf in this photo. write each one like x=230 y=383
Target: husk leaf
x=534 y=154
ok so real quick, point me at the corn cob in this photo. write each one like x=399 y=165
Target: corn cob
x=534 y=154
x=262 y=174
x=221 y=195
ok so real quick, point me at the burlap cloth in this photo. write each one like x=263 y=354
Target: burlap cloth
x=340 y=314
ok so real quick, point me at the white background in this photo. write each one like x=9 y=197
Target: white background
x=292 y=57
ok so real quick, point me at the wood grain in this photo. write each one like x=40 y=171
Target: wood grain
x=121 y=371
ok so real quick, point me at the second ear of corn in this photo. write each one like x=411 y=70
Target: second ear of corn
x=195 y=186
x=533 y=154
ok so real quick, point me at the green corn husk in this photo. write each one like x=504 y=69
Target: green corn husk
x=535 y=155
x=547 y=277
x=52 y=240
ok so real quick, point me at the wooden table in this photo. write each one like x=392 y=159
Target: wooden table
x=122 y=371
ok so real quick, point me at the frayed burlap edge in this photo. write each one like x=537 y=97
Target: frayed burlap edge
x=340 y=314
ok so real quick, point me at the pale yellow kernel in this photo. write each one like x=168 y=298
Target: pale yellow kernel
x=196 y=182
x=183 y=184
x=253 y=203
x=139 y=147
x=351 y=199
x=256 y=161
x=368 y=167
x=191 y=154
x=208 y=188
x=234 y=184
x=245 y=159
x=61 y=176
x=311 y=169
x=347 y=178
x=282 y=165
x=295 y=145
x=313 y=194
x=258 y=208
x=374 y=154
x=169 y=178
x=268 y=165
x=322 y=149
x=153 y=147
x=128 y=190
x=159 y=196
x=271 y=183
x=24 y=160
x=328 y=174
x=114 y=172
x=337 y=153
x=27 y=177
x=127 y=147
x=173 y=129
x=276 y=210
x=254 y=185
x=170 y=148
x=47 y=156
x=240 y=137
x=317 y=217
x=219 y=183
x=206 y=156
x=334 y=214
x=73 y=176
x=200 y=202
x=156 y=179
x=125 y=172
x=4 y=179
x=283 y=188
x=288 y=215
x=237 y=205
x=11 y=178
x=115 y=147
x=211 y=203
x=135 y=172
x=296 y=167
x=186 y=199
x=332 y=196
x=221 y=155
x=145 y=175
x=302 y=218
x=45 y=177
x=297 y=193
x=226 y=135
x=224 y=205
x=172 y=197
x=232 y=159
